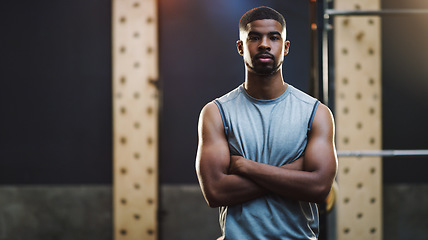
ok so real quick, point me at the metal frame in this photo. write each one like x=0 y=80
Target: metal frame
x=321 y=27
x=325 y=75
x=332 y=12
x=327 y=13
x=383 y=153
x=326 y=27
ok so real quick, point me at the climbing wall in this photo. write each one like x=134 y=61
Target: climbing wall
x=358 y=120
x=135 y=114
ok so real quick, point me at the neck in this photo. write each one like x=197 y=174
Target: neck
x=265 y=87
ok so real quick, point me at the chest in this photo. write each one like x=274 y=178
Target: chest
x=264 y=133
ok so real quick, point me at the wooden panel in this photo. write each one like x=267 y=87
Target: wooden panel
x=358 y=120
x=135 y=106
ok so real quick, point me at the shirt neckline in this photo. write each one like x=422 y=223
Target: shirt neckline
x=269 y=101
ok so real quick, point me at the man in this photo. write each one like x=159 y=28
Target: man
x=266 y=150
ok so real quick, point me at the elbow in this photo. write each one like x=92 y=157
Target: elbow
x=212 y=193
x=213 y=204
x=322 y=189
x=320 y=193
x=213 y=199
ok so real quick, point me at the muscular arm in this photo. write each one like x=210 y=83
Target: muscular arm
x=320 y=165
x=220 y=188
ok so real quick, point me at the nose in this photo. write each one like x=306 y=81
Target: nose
x=264 y=44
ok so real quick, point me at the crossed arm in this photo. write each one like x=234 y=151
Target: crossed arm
x=227 y=180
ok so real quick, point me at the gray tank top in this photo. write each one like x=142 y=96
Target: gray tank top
x=272 y=132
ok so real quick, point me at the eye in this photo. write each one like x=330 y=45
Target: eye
x=274 y=38
x=253 y=38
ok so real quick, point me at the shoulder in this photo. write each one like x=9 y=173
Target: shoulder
x=209 y=112
x=302 y=96
x=210 y=116
x=230 y=96
x=211 y=109
x=210 y=126
x=323 y=120
x=324 y=113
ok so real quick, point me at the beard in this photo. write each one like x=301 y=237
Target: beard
x=264 y=68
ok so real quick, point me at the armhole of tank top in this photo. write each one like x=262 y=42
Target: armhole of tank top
x=220 y=108
x=314 y=110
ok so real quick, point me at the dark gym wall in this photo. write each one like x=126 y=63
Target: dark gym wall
x=55 y=92
x=55 y=111
x=56 y=83
x=405 y=88
x=199 y=62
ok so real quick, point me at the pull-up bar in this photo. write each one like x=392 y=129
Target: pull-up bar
x=382 y=153
x=333 y=12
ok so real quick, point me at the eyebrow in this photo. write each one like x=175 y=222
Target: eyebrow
x=270 y=33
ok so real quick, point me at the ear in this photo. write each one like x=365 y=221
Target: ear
x=240 y=47
x=286 y=47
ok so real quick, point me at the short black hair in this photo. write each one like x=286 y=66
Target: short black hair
x=260 y=13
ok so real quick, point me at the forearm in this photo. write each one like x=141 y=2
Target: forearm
x=235 y=189
x=231 y=189
x=295 y=165
x=221 y=188
x=293 y=184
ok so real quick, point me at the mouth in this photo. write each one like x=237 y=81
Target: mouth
x=264 y=57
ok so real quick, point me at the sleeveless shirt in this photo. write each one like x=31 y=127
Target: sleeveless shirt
x=272 y=132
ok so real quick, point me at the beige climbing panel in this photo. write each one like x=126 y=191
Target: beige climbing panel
x=135 y=114
x=357 y=47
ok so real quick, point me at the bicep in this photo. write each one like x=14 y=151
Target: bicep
x=212 y=164
x=320 y=155
x=213 y=157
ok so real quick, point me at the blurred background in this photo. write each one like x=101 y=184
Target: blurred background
x=56 y=169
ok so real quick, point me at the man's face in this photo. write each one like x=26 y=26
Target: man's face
x=263 y=46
